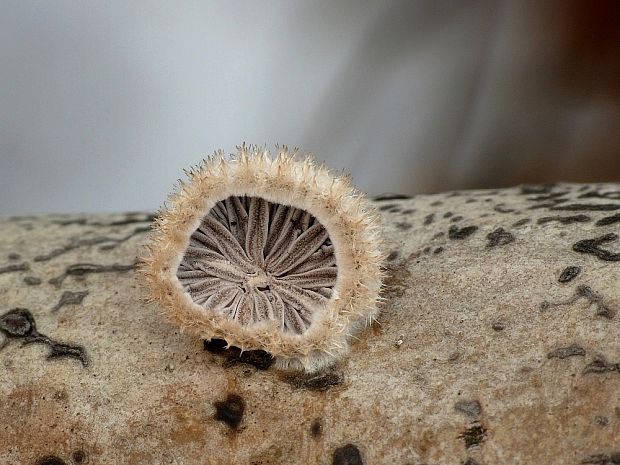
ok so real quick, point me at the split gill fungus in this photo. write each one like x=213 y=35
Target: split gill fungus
x=269 y=253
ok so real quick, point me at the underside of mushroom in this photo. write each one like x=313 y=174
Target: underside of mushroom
x=253 y=260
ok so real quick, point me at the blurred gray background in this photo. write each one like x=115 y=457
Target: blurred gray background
x=103 y=103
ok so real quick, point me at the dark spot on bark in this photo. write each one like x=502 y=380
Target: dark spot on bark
x=500 y=237
x=564 y=352
x=554 y=196
x=392 y=256
x=32 y=280
x=455 y=233
x=498 y=326
x=601 y=420
x=564 y=219
x=569 y=273
x=316 y=429
x=600 y=365
x=82 y=269
x=79 y=456
x=385 y=197
x=447 y=214
x=70 y=298
x=600 y=207
x=233 y=355
x=593 y=247
x=500 y=208
x=403 y=226
x=602 y=459
x=601 y=195
x=536 y=189
x=438 y=250
x=51 y=460
x=436 y=203
x=315 y=382
x=428 y=219
x=15 y=267
x=109 y=243
x=470 y=408
x=439 y=234
x=471 y=200
x=593 y=298
x=609 y=220
x=474 y=435
x=14 y=256
x=347 y=455
x=408 y=211
x=521 y=222
x=387 y=207
x=19 y=323
x=456 y=219
x=230 y=411
x=470 y=461
x=426 y=249
x=130 y=218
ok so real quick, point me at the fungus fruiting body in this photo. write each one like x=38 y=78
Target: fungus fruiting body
x=267 y=253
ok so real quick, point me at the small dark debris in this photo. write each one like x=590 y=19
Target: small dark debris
x=438 y=250
x=347 y=455
x=316 y=429
x=455 y=233
x=593 y=247
x=602 y=459
x=569 y=273
x=32 y=280
x=428 y=219
x=257 y=358
x=609 y=220
x=14 y=256
x=15 y=267
x=315 y=382
x=498 y=326
x=474 y=435
x=448 y=214
x=408 y=211
x=565 y=352
x=70 y=298
x=470 y=408
x=564 y=219
x=230 y=411
x=392 y=256
x=499 y=237
x=51 y=460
